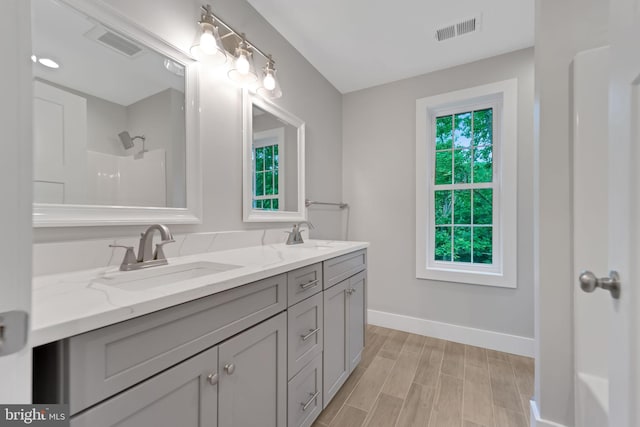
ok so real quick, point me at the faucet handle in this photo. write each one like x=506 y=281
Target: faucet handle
x=129 y=256
x=159 y=254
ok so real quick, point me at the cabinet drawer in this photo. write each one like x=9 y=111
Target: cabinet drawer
x=337 y=269
x=106 y=361
x=181 y=396
x=305 y=394
x=304 y=282
x=305 y=331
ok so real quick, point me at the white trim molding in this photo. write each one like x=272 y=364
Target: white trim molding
x=536 y=421
x=502 y=97
x=498 y=341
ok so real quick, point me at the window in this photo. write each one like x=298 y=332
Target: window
x=267 y=170
x=466 y=185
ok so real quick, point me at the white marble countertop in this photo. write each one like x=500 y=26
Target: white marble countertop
x=71 y=303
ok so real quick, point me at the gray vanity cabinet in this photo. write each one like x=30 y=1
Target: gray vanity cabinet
x=336 y=361
x=344 y=323
x=272 y=353
x=253 y=377
x=185 y=395
x=356 y=292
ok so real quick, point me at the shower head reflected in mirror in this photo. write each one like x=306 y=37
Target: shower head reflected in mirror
x=127 y=140
x=127 y=143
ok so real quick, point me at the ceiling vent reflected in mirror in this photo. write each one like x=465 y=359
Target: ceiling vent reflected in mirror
x=463 y=27
x=114 y=41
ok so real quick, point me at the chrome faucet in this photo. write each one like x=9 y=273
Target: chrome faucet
x=295 y=238
x=147 y=257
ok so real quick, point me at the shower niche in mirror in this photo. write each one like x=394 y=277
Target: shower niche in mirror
x=273 y=153
x=114 y=120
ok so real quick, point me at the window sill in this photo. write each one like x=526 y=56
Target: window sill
x=482 y=278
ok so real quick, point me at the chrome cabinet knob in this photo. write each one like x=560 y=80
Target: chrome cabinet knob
x=589 y=282
x=230 y=368
x=213 y=378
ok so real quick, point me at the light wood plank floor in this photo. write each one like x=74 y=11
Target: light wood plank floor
x=411 y=380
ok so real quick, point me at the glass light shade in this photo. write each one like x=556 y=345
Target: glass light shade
x=242 y=64
x=270 y=86
x=208 y=42
x=208 y=47
x=243 y=71
x=269 y=81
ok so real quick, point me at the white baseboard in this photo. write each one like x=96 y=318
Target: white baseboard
x=463 y=334
x=536 y=421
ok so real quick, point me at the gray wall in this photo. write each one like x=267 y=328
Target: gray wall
x=563 y=28
x=157 y=117
x=307 y=94
x=379 y=183
x=104 y=121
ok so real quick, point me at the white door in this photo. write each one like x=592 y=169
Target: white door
x=59 y=146
x=624 y=213
x=590 y=234
x=15 y=193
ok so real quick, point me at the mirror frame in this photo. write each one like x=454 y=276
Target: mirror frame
x=62 y=215
x=254 y=215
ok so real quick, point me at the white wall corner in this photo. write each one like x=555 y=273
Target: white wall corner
x=493 y=340
x=536 y=421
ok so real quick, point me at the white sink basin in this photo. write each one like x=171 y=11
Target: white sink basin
x=154 y=277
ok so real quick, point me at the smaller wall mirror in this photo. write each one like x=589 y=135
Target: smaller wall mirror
x=273 y=164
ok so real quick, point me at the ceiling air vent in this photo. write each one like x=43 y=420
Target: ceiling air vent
x=458 y=29
x=114 y=41
x=446 y=33
x=467 y=26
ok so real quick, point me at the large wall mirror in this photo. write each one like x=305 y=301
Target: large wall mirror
x=273 y=152
x=114 y=120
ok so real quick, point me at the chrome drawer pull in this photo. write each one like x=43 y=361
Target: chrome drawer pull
x=310 y=284
x=310 y=334
x=314 y=396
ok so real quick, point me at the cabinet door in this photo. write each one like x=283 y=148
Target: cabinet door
x=305 y=330
x=253 y=376
x=305 y=394
x=336 y=362
x=356 y=318
x=185 y=395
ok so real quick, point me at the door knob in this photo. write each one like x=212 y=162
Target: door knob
x=230 y=368
x=589 y=282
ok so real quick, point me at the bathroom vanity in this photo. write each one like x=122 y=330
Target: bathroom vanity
x=267 y=340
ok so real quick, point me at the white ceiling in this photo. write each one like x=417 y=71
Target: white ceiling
x=357 y=44
x=58 y=32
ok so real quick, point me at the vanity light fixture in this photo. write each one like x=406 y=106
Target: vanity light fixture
x=209 y=46
x=270 y=86
x=242 y=70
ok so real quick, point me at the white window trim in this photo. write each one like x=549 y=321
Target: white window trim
x=263 y=139
x=503 y=271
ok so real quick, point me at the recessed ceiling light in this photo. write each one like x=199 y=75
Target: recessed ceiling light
x=49 y=63
x=34 y=58
x=174 y=67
